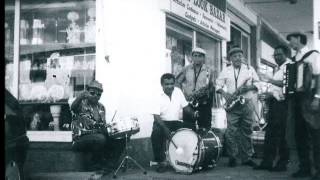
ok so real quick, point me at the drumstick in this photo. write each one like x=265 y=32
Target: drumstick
x=114 y=115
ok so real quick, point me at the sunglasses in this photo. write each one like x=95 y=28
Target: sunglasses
x=93 y=93
x=197 y=55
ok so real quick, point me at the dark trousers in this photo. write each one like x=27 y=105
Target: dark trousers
x=205 y=112
x=275 y=137
x=204 y=120
x=159 y=138
x=306 y=136
x=238 y=132
x=101 y=147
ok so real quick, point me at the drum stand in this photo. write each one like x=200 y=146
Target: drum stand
x=124 y=162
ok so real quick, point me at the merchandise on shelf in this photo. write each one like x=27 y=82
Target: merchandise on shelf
x=73 y=30
x=90 y=28
x=24 y=27
x=37 y=30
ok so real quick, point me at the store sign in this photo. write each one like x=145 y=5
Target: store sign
x=204 y=14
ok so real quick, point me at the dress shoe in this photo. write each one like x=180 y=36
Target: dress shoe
x=263 y=166
x=249 y=163
x=301 y=174
x=161 y=169
x=232 y=162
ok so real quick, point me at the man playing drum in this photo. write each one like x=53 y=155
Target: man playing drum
x=89 y=121
x=236 y=84
x=169 y=118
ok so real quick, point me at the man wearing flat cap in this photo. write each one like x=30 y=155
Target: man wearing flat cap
x=234 y=81
x=196 y=82
x=89 y=129
x=306 y=107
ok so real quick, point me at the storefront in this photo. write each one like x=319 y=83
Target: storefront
x=53 y=49
x=161 y=41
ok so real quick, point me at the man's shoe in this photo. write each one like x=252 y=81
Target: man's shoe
x=161 y=169
x=232 y=162
x=249 y=163
x=263 y=166
x=301 y=174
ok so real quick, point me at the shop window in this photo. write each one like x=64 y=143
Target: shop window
x=56 y=60
x=179 y=46
x=241 y=39
x=8 y=43
x=211 y=46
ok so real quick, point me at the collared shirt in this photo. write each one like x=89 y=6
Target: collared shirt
x=276 y=91
x=90 y=114
x=231 y=78
x=191 y=81
x=171 y=109
x=313 y=59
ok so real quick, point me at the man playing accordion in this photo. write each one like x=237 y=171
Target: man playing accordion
x=306 y=106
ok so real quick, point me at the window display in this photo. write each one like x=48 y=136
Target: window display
x=56 y=60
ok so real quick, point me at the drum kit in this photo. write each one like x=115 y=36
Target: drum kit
x=125 y=126
x=187 y=151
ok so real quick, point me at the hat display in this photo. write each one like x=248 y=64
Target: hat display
x=95 y=84
x=297 y=34
x=235 y=50
x=199 y=50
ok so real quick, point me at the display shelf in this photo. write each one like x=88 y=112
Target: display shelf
x=59 y=102
x=31 y=49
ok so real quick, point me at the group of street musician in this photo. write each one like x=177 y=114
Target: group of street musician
x=186 y=102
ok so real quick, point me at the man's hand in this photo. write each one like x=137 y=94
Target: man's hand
x=85 y=95
x=264 y=96
x=264 y=77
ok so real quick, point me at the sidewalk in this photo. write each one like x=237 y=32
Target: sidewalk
x=220 y=172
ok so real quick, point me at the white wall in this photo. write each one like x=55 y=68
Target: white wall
x=132 y=34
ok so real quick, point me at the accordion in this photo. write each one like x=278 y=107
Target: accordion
x=297 y=78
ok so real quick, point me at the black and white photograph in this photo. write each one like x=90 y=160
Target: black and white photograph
x=162 y=89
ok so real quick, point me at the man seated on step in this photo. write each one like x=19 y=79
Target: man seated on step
x=169 y=118
x=90 y=132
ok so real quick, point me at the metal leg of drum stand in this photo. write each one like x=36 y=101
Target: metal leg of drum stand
x=124 y=162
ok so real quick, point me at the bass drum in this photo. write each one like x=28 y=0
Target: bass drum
x=187 y=151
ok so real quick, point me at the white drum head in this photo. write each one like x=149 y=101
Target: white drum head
x=185 y=156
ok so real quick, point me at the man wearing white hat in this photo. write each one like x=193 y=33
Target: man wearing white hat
x=196 y=82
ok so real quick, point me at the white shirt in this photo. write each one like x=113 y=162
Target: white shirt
x=276 y=91
x=171 y=109
x=313 y=59
x=229 y=77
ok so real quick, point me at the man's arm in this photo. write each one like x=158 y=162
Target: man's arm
x=75 y=104
x=180 y=78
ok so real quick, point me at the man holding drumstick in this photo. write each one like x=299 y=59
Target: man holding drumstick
x=168 y=119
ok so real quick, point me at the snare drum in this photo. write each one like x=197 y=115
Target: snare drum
x=126 y=126
x=187 y=151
